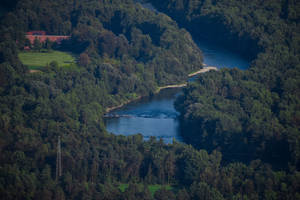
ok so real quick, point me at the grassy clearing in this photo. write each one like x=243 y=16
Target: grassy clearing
x=37 y=60
x=152 y=188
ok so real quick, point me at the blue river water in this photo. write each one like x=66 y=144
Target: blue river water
x=150 y=116
x=156 y=116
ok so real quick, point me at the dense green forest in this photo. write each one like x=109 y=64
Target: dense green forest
x=125 y=51
x=245 y=114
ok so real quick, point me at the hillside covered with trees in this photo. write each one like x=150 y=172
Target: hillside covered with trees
x=125 y=51
x=252 y=114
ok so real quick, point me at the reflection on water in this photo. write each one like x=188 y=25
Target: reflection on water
x=220 y=57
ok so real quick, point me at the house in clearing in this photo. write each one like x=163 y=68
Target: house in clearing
x=42 y=37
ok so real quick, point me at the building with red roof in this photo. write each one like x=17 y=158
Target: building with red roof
x=42 y=37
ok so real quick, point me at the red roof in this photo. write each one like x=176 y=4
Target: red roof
x=43 y=38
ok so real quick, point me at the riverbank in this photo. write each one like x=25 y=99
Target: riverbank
x=170 y=86
x=203 y=70
x=107 y=110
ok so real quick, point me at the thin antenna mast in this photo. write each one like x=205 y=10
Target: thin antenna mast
x=58 y=160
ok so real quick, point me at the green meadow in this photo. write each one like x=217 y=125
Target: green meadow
x=37 y=60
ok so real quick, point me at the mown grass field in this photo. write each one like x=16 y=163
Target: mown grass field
x=152 y=188
x=37 y=60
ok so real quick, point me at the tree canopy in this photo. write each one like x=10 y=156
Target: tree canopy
x=125 y=51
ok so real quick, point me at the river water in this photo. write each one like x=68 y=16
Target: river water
x=156 y=116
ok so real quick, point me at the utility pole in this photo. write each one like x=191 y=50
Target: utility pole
x=58 y=160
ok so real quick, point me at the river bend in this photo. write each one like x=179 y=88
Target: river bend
x=156 y=116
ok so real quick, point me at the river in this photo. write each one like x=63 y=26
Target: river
x=156 y=116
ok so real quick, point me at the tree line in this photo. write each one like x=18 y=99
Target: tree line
x=124 y=51
x=252 y=111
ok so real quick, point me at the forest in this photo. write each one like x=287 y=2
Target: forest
x=241 y=127
x=253 y=112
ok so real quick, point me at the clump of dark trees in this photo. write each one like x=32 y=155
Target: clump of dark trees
x=125 y=51
x=254 y=113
